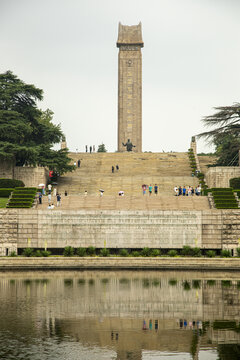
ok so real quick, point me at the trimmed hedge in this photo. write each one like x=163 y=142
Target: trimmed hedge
x=5 y=192
x=11 y=183
x=15 y=206
x=222 y=189
x=27 y=189
x=235 y=183
x=22 y=198
x=224 y=198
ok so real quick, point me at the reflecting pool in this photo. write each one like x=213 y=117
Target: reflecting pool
x=122 y=315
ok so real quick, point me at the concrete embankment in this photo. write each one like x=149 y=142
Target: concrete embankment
x=75 y=263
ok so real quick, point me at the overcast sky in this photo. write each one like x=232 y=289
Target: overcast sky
x=191 y=62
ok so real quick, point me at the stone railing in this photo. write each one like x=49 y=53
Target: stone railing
x=211 y=201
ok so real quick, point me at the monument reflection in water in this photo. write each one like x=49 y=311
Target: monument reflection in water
x=119 y=315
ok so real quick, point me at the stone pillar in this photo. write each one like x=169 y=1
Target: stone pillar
x=130 y=86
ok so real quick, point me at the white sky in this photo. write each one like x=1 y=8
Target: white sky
x=191 y=63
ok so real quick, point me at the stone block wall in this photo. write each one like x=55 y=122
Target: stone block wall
x=219 y=176
x=6 y=169
x=111 y=229
x=211 y=229
x=8 y=231
x=31 y=176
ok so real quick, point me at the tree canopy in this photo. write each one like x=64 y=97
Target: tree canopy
x=102 y=148
x=27 y=133
x=225 y=134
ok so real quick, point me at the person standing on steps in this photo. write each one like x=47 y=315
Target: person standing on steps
x=58 y=199
x=150 y=190
x=49 y=188
x=40 y=197
x=90 y=149
x=117 y=167
x=86 y=148
x=144 y=189
x=112 y=169
x=155 y=189
x=93 y=148
x=79 y=163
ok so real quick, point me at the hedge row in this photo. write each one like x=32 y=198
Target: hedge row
x=235 y=183
x=5 y=192
x=22 y=198
x=27 y=189
x=15 y=206
x=10 y=183
x=224 y=198
x=145 y=252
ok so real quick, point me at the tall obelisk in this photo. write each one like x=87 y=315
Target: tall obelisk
x=130 y=86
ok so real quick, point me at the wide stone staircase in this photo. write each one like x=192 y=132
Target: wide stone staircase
x=135 y=169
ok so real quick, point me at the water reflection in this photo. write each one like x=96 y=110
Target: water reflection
x=119 y=315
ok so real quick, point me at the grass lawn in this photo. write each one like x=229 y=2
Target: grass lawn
x=3 y=202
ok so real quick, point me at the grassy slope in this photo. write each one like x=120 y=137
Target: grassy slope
x=3 y=202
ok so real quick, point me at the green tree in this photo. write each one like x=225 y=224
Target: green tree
x=102 y=148
x=225 y=133
x=27 y=133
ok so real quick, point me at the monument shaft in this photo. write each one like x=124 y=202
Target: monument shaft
x=130 y=86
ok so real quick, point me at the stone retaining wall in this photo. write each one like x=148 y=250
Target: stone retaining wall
x=210 y=229
x=164 y=263
x=219 y=176
x=31 y=176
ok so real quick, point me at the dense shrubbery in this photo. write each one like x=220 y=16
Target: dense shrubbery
x=124 y=252
x=224 y=198
x=6 y=192
x=226 y=253
x=172 y=253
x=145 y=252
x=11 y=183
x=81 y=252
x=68 y=251
x=211 y=253
x=235 y=183
x=104 y=252
x=22 y=197
x=91 y=251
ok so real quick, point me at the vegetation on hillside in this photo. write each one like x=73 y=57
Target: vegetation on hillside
x=27 y=133
x=225 y=134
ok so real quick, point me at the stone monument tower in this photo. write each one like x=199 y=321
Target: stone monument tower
x=130 y=86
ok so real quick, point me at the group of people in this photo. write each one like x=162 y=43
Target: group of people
x=91 y=148
x=187 y=191
x=117 y=168
x=50 y=194
x=78 y=164
x=150 y=189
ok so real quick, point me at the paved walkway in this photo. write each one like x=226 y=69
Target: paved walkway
x=111 y=202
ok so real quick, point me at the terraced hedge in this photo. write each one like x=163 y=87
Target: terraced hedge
x=10 y=183
x=5 y=192
x=224 y=198
x=22 y=198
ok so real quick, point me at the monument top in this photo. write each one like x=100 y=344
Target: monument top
x=130 y=35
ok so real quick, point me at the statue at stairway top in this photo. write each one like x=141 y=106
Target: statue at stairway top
x=129 y=145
